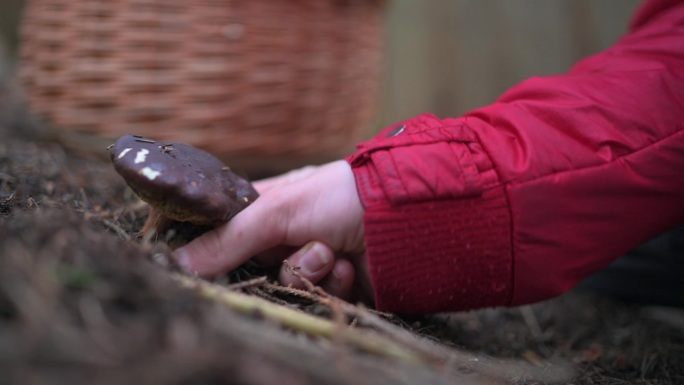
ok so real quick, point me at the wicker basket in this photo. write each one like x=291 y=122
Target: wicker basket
x=264 y=84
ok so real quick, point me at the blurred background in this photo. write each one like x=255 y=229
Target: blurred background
x=449 y=56
x=10 y=13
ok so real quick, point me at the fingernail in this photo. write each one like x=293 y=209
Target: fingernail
x=336 y=280
x=315 y=258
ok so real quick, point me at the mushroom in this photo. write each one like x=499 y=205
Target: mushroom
x=180 y=182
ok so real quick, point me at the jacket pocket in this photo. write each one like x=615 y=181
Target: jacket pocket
x=434 y=171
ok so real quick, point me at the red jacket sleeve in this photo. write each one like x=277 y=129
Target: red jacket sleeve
x=518 y=201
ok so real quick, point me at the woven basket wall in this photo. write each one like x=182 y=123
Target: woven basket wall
x=261 y=83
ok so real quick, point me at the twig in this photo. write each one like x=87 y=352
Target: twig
x=360 y=314
x=117 y=229
x=271 y=287
x=532 y=323
x=245 y=284
x=85 y=203
x=30 y=202
x=7 y=177
x=303 y=322
x=259 y=292
x=294 y=270
x=398 y=344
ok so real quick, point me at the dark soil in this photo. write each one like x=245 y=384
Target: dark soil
x=82 y=301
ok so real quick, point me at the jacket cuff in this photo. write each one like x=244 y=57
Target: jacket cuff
x=437 y=251
x=427 y=258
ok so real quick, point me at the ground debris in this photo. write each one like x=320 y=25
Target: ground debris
x=83 y=299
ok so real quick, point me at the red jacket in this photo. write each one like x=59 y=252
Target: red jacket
x=518 y=201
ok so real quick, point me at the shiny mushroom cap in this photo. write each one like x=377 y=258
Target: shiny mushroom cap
x=182 y=182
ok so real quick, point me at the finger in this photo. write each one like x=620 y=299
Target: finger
x=266 y=184
x=261 y=226
x=313 y=262
x=340 y=281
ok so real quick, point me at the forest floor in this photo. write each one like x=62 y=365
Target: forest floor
x=84 y=300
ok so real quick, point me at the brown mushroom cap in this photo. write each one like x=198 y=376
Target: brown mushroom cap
x=182 y=182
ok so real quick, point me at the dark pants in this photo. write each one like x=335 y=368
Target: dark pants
x=653 y=273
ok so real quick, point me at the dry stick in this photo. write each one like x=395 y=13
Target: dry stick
x=321 y=296
x=7 y=177
x=408 y=347
x=117 y=229
x=294 y=270
x=297 y=320
x=362 y=315
x=368 y=318
x=532 y=323
x=245 y=284
x=315 y=293
x=316 y=297
x=257 y=291
x=493 y=368
x=429 y=350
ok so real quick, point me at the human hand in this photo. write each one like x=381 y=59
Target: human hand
x=314 y=207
